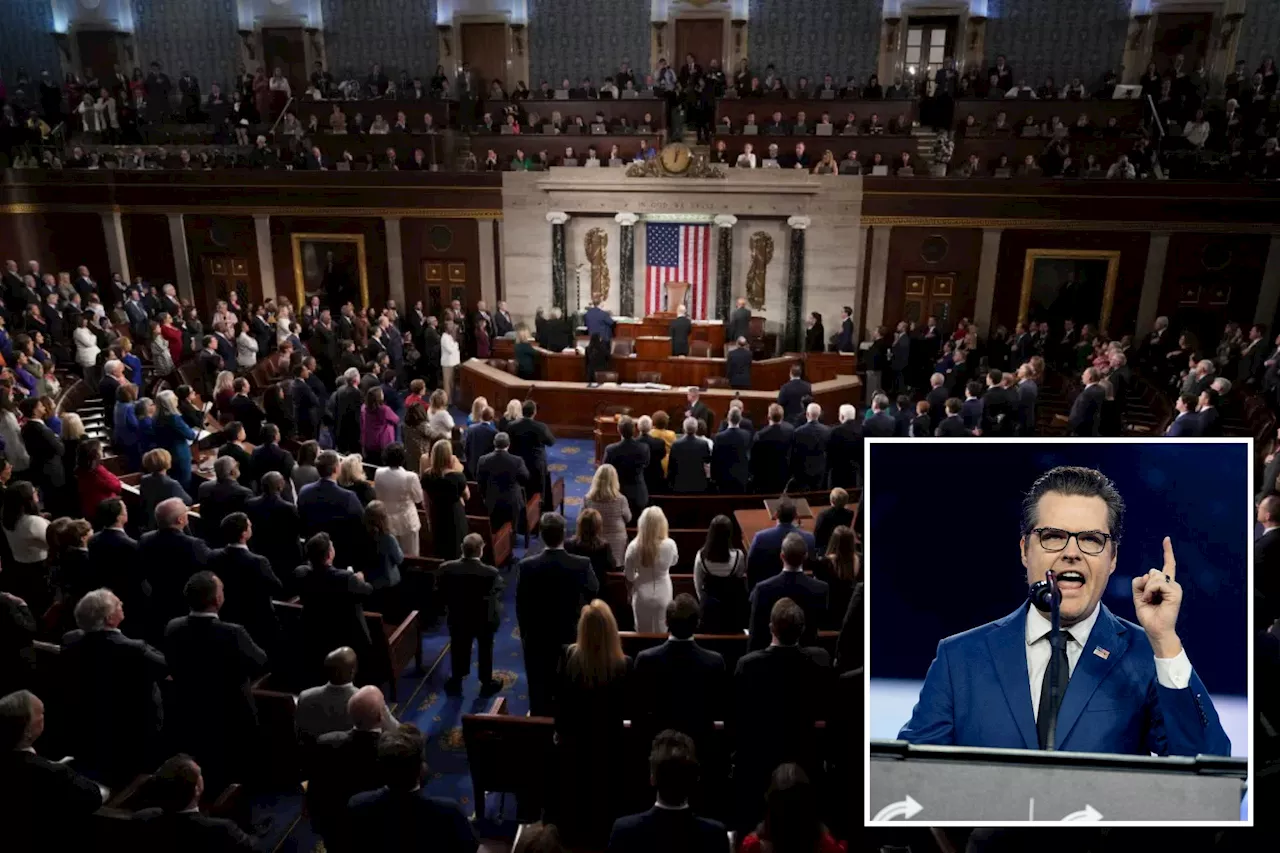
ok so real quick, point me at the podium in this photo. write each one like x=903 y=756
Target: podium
x=928 y=784
x=676 y=293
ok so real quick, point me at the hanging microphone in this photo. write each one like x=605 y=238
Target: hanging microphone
x=1045 y=594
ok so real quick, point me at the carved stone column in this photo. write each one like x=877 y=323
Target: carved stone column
x=724 y=265
x=181 y=257
x=794 y=339
x=627 y=263
x=559 y=284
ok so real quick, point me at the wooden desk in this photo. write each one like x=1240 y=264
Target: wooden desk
x=752 y=521
x=711 y=331
x=769 y=374
x=570 y=408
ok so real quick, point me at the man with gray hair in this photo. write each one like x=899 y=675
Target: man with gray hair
x=809 y=451
x=844 y=450
x=738 y=365
x=219 y=498
x=689 y=459
x=1198 y=378
x=499 y=475
x=113 y=702
x=46 y=803
x=168 y=556
x=881 y=424
x=108 y=386
x=731 y=456
x=681 y=328
x=655 y=475
x=937 y=400
x=344 y=409
x=745 y=423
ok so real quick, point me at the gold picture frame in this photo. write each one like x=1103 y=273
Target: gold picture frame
x=299 y=277
x=1112 y=257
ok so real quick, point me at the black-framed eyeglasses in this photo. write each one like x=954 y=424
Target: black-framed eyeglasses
x=1091 y=542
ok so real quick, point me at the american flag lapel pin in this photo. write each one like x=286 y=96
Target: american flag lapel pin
x=1101 y=652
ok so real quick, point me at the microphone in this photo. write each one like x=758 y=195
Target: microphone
x=1047 y=598
x=1045 y=594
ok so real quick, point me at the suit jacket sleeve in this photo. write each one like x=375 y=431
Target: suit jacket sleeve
x=358 y=587
x=254 y=657
x=593 y=583
x=1184 y=722
x=933 y=718
x=268 y=575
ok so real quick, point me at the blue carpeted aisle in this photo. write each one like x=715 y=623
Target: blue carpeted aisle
x=424 y=703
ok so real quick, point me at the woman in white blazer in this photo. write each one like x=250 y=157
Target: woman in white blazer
x=450 y=356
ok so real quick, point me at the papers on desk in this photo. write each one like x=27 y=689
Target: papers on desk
x=644 y=386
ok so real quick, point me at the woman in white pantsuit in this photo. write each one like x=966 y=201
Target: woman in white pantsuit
x=647 y=568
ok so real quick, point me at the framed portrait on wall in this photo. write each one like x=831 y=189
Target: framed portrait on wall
x=1068 y=284
x=331 y=266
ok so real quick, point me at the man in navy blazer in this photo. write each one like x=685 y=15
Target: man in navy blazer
x=630 y=458
x=1129 y=689
x=1186 y=424
x=326 y=507
x=810 y=594
x=670 y=825
x=598 y=322
x=765 y=550
x=478 y=440
x=791 y=395
x=770 y=453
x=731 y=456
x=881 y=424
x=809 y=451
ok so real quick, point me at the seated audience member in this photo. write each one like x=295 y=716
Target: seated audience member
x=687 y=462
x=671 y=823
x=212 y=712
x=177 y=822
x=809 y=594
x=382 y=819
x=113 y=692
x=791 y=814
x=345 y=764
x=829 y=519
x=679 y=684
x=46 y=804
x=326 y=708
x=765 y=552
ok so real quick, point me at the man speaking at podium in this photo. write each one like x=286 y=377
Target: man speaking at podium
x=1124 y=688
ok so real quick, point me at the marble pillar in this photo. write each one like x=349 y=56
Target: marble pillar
x=488 y=268
x=724 y=265
x=395 y=262
x=181 y=257
x=117 y=253
x=876 y=278
x=1269 y=292
x=266 y=269
x=559 y=282
x=794 y=341
x=626 y=263
x=1153 y=281
x=988 y=263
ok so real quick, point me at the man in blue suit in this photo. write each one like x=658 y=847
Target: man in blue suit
x=1122 y=688
x=810 y=594
x=1187 y=424
x=765 y=553
x=670 y=824
x=598 y=322
x=326 y=507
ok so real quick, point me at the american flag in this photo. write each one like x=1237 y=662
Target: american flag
x=675 y=252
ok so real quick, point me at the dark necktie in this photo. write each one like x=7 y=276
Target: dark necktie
x=1049 y=706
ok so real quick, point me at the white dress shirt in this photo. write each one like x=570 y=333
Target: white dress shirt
x=1174 y=673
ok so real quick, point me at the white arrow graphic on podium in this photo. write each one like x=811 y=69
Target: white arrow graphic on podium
x=906 y=809
x=1088 y=813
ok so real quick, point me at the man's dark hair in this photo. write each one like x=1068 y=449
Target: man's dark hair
x=174 y=784
x=1075 y=480
x=318 y=549
x=786 y=621
x=240 y=385
x=683 y=614
x=501 y=441
x=1260 y=328
x=552 y=529
x=201 y=589
x=974 y=388
x=529 y=409
x=234 y=526
x=400 y=757
x=794 y=550
x=108 y=511
x=786 y=512
x=995 y=376
x=796 y=370
x=327 y=463
x=626 y=427
x=393 y=455
x=269 y=433
x=1211 y=396
x=673 y=766
x=1189 y=400
x=953 y=405
x=272 y=483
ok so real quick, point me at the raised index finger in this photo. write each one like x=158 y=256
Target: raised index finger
x=1170 y=567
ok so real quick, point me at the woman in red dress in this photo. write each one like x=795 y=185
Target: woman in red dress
x=791 y=823
x=482 y=340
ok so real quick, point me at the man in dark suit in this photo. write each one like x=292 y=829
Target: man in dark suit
x=731 y=456
x=46 y=471
x=899 y=359
x=112 y=379
x=809 y=451
x=343 y=410
x=630 y=458
x=248 y=584
x=114 y=556
x=1028 y=391
x=210 y=364
x=270 y=456
x=881 y=423
x=655 y=479
x=844 y=450
x=383 y=818
x=529 y=440
x=1087 y=406
x=844 y=340
x=326 y=507
x=739 y=322
x=478 y=440
x=346 y=764
x=971 y=409
x=791 y=395
x=472 y=590
x=219 y=498
x=687 y=465
x=681 y=685
x=1252 y=356
x=681 y=328
x=169 y=555
x=214 y=717
x=792 y=583
x=746 y=423
x=308 y=407
x=738 y=366
x=764 y=555
x=276 y=529
x=46 y=804
x=1208 y=415
x=551 y=590
x=779 y=692
x=502 y=322
x=999 y=406
x=332 y=606
x=1185 y=424
x=598 y=322
x=937 y=400
x=177 y=823
x=952 y=425
x=698 y=409
x=113 y=692
x=247 y=411
x=771 y=454
x=500 y=476
x=670 y=825
x=1266 y=553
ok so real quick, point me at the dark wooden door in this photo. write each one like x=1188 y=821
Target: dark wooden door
x=703 y=37
x=1185 y=33
x=100 y=51
x=484 y=46
x=929 y=295
x=283 y=48
x=223 y=274
x=444 y=281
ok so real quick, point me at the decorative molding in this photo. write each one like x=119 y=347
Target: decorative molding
x=247 y=210
x=799 y=223
x=1065 y=224
x=557 y=217
x=626 y=219
x=725 y=220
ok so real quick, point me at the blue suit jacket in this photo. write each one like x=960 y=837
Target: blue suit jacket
x=977 y=693
x=1188 y=426
x=598 y=322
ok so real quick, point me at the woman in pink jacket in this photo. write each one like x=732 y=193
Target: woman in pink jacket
x=377 y=426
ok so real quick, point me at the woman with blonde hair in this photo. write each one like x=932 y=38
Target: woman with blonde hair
x=223 y=391
x=605 y=498
x=512 y=414
x=647 y=566
x=477 y=409
x=445 y=487
x=438 y=412
x=352 y=478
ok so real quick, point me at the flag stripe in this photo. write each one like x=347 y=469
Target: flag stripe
x=677 y=252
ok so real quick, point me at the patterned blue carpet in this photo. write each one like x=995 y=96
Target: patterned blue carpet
x=424 y=703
